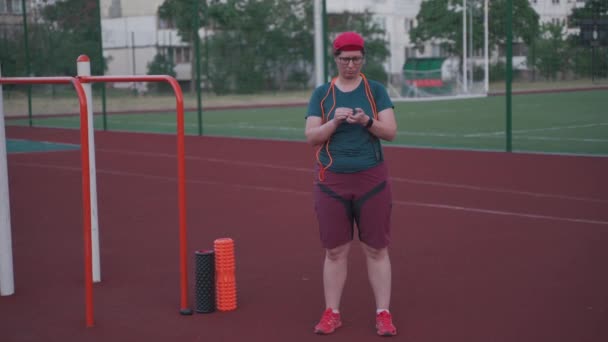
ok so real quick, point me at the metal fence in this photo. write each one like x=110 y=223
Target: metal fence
x=246 y=57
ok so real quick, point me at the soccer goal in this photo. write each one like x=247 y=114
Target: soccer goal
x=448 y=75
x=432 y=78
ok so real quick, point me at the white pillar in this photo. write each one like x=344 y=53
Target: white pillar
x=318 y=28
x=7 y=281
x=465 y=86
x=83 y=67
x=486 y=55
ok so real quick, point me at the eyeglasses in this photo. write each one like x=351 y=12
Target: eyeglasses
x=346 y=60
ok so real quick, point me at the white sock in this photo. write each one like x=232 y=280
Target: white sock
x=380 y=310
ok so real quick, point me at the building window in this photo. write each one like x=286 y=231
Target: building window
x=436 y=50
x=16 y=6
x=177 y=54
x=408 y=24
x=182 y=55
x=519 y=49
x=380 y=22
x=410 y=52
x=555 y=2
x=166 y=24
x=10 y=6
x=556 y=21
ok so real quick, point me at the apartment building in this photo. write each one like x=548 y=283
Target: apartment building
x=555 y=11
x=133 y=34
x=11 y=14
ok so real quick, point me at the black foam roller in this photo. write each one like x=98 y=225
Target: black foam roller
x=205 y=281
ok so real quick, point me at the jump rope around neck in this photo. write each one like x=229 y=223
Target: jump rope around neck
x=324 y=119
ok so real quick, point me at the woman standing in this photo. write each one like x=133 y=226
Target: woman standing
x=346 y=120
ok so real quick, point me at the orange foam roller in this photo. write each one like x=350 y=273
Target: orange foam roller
x=226 y=298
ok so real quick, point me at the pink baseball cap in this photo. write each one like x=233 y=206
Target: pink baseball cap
x=348 y=41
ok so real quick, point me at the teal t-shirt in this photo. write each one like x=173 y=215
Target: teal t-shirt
x=352 y=147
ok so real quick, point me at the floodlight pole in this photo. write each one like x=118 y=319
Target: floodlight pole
x=471 y=49
x=318 y=43
x=325 y=40
x=509 y=73
x=465 y=86
x=486 y=48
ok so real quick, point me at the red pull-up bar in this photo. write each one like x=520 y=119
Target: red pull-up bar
x=86 y=181
x=84 y=140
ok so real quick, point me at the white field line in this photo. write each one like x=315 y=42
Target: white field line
x=501 y=212
x=586 y=140
x=544 y=129
x=247 y=126
x=308 y=193
x=494 y=134
x=45 y=151
x=243 y=126
x=395 y=179
x=72 y=147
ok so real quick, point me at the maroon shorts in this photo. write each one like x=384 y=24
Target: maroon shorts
x=364 y=198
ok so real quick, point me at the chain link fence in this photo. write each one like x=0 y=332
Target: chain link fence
x=256 y=53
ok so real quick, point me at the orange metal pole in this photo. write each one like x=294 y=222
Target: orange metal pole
x=86 y=200
x=181 y=170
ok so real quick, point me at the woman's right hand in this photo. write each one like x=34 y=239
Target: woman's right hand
x=342 y=113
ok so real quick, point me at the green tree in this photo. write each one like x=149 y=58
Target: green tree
x=259 y=44
x=592 y=17
x=376 y=47
x=440 y=21
x=552 y=53
x=253 y=45
x=72 y=29
x=526 y=22
x=188 y=16
x=11 y=53
x=161 y=65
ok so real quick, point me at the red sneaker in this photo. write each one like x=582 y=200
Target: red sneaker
x=384 y=324
x=329 y=322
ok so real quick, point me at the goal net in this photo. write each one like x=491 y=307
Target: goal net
x=437 y=77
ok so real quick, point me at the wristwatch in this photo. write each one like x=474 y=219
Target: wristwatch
x=370 y=122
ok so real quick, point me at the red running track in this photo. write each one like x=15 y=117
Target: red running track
x=486 y=246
